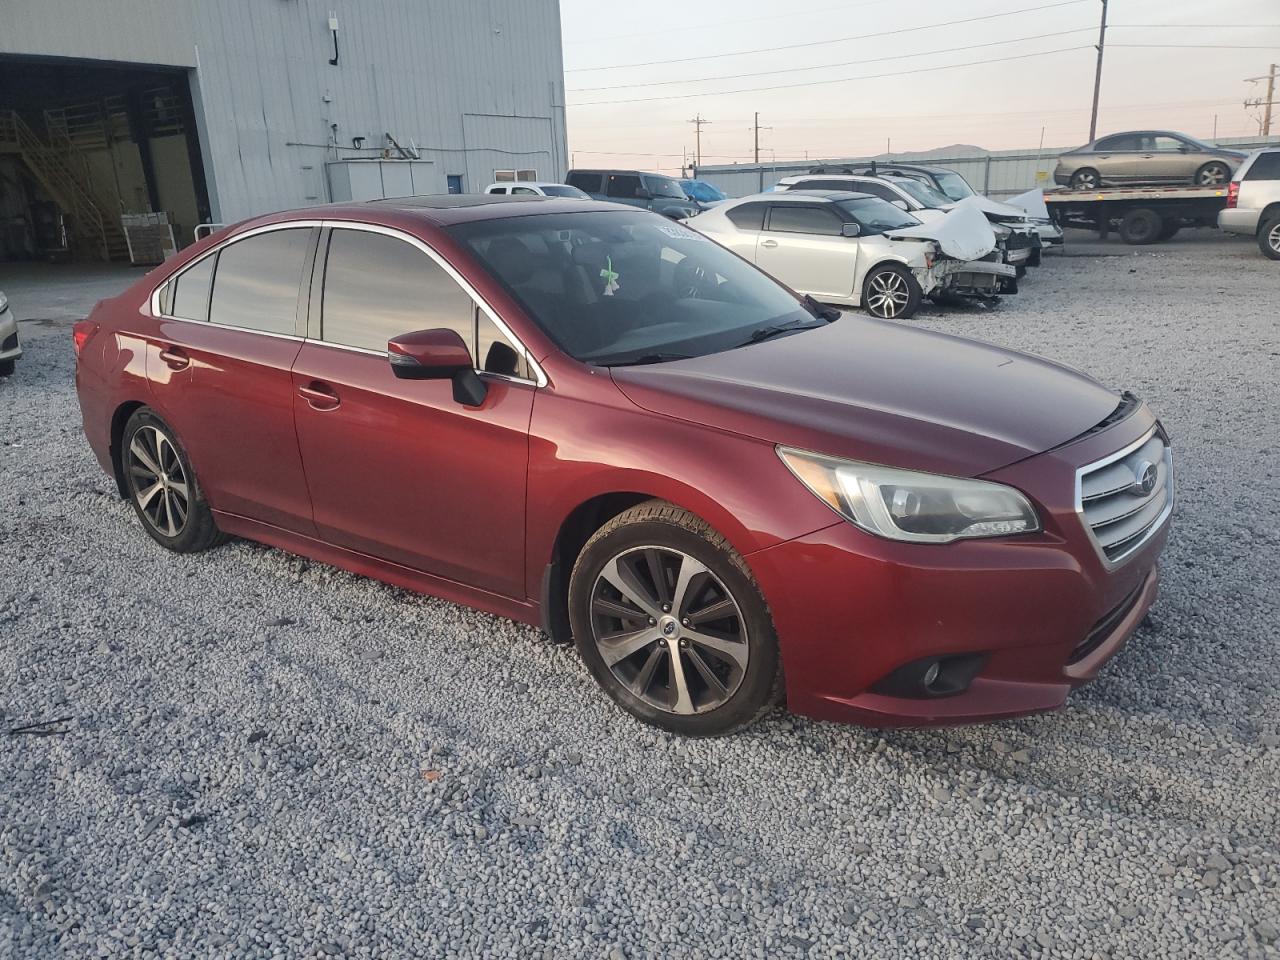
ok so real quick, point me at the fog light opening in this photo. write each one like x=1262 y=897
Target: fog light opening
x=927 y=677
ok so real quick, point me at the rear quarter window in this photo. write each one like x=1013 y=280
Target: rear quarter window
x=1265 y=167
x=749 y=216
x=587 y=182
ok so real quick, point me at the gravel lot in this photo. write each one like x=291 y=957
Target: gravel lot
x=266 y=756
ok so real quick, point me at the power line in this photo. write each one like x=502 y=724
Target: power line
x=819 y=83
x=781 y=16
x=822 y=43
x=829 y=66
x=1195 y=46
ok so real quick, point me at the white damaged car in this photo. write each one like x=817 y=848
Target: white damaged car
x=858 y=250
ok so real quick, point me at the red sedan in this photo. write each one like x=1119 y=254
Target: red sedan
x=591 y=418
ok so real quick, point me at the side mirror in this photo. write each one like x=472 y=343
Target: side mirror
x=850 y=230
x=900 y=204
x=1183 y=148
x=439 y=354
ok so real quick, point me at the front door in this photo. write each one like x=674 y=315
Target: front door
x=801 y=245
x=398 y=469
x=220 y=373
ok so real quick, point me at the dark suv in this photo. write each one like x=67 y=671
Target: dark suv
x=650 y=191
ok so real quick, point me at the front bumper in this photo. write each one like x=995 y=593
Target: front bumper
x=10 y=346
x=973 y=278
x=1042 y=610
x=1238 y=220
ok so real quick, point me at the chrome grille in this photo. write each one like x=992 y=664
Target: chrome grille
x=1120 y=511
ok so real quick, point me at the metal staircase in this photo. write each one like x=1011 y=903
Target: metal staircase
x=93 y=223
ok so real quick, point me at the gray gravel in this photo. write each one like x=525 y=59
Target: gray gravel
x=266 y=756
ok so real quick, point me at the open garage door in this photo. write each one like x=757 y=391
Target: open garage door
x=86 y=146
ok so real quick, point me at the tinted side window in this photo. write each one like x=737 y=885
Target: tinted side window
x=792 y=218
x=1123 y=142
x=815 y=184
x=524 y=190
x=622 y=185
x=749 y=216
x=377 y=287
x=1266 y=167
x=257 y=280
x=191 y=291
x=586 y=182
x=880 y=190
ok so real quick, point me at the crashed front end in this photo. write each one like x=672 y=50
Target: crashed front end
x=967 y=259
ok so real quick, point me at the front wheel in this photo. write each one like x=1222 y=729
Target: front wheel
x=1086 y=179
x=163 y=488
x=669 y=621
x=890 y=292
x=1213 y=174
x=1269 y=237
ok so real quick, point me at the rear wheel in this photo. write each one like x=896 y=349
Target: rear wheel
x=1141 y=226
x=1213 y=174
x=6 y=368
x=668 y=619
x=163 y=488
x=890 y=292
x=1269 y=237
x=1085 y=178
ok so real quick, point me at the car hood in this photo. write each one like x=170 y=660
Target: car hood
x=994 y=210
x=1031 y=204
x=882 y=392
x=963 y=233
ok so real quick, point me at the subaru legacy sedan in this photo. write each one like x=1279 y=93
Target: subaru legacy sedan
x=598 y=421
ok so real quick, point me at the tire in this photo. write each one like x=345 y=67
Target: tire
x=1036 y=258
x=1141 y=226
x=890 y=292
x=162 y=487
x=7 y=367
x=1269 y=237
x=718 y=621
x=1213 y=174
x=1086 y=178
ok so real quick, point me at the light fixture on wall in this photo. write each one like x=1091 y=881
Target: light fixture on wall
x=333 y=29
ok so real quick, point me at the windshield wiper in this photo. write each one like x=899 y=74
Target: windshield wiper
x=829 y=314
x=647 y=358
x=777 y=329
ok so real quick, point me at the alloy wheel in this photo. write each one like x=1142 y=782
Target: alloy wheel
x=1273 y=237
x=159 y=482
x=669 y=630
x=1213 y=175
x=888 y=294
x=1088 y=180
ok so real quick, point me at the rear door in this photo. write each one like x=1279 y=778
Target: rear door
x=802 y=246
x=220 y=372
x=1120 y=158
x=398 y=469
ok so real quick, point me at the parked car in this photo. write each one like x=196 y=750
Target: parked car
x=10 y=348
x=652 y=191
x=589 y=418
x=1015 y=237
x=705 y=195
x=1146 y=156
x=954 y=185
x=1253 y=201
x=528 y=188
x=858 y=250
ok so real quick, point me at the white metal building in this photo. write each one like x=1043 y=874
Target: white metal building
x=215 y=110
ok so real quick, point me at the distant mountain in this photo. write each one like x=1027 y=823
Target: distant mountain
x=954 y=150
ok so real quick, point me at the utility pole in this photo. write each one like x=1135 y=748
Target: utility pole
x=759 y=169
x=1266 y=104
x=697 y=124
x=1097 y=77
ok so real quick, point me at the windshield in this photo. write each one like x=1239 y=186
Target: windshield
x=701 y=190
x=954 y=185
x=875 y=216
x=663 y=187
x=923 y=193
x=624 y=287
x=564 y=190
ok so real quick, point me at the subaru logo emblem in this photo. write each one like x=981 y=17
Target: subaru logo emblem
x=669 y=628
x=1144 y=479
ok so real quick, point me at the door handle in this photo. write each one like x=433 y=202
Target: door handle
x=174 y=358
x=319 y=396
x=769 y=243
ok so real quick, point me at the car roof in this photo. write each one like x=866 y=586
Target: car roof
x=607 y=170
x=523 y=183
x=440 y=210
x=792 y=196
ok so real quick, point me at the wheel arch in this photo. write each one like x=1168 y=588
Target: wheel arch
x=118 y=420
x=1270 y=210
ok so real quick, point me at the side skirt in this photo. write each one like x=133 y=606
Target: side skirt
x=367 y=566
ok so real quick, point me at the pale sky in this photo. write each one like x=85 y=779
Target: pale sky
x=996 y=105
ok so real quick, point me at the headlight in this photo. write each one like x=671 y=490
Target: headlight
x=911 y=506
x=4 y=303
